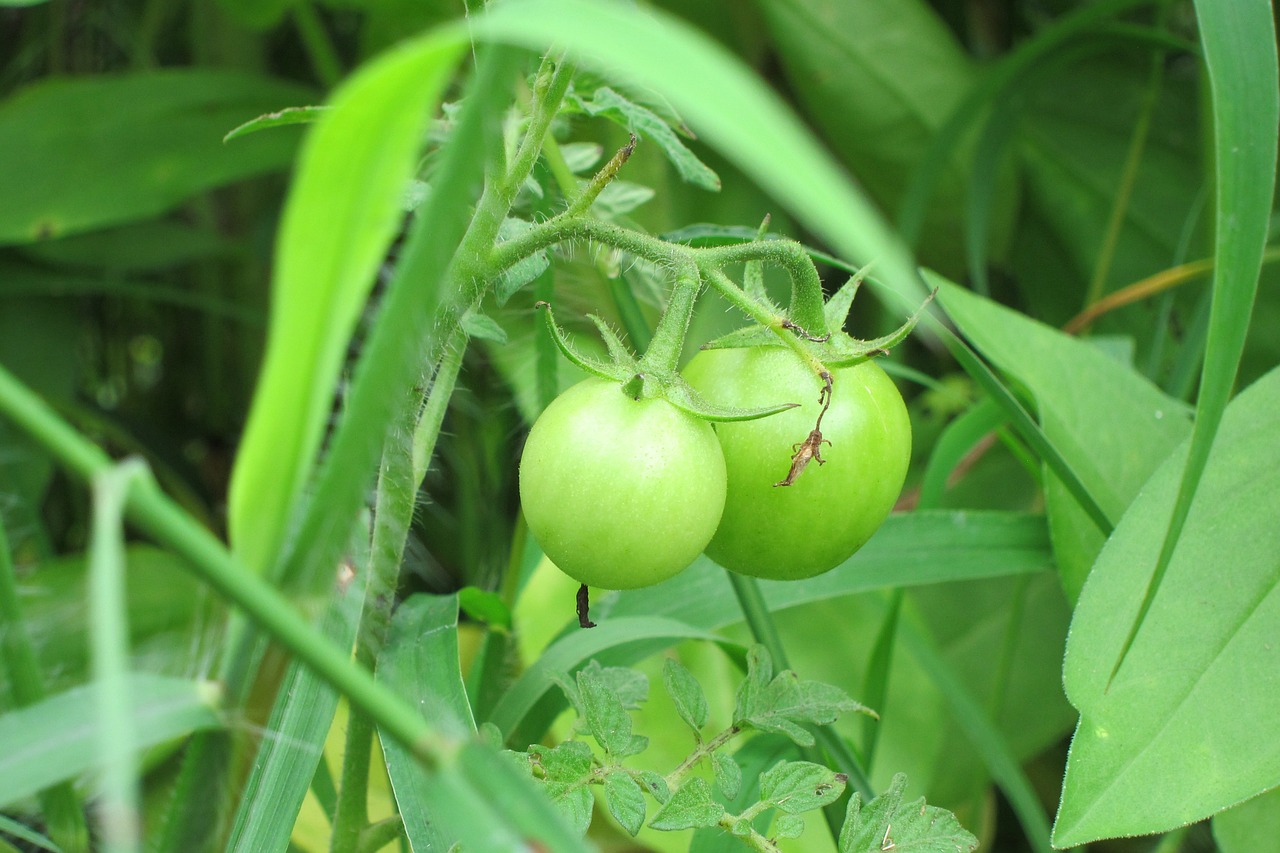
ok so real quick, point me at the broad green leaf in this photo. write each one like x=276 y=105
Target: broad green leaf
x=1072 y=145
x=728 y=107
x=1250 y=826
x=82 y=153
x=630 y=638
x=625 y=800
x=1239 y=43
x=909 y=550
x=1107 y=421
x=879 y=78
x=1182 y=730
x=56 y=739
x=647 y=124
x=686 y=693
x=300 y=721
x=690 y=807
x=162 y=600
x=886 y=823
x=485 y=606
x=420 y=661
x=341 y=215
x=796 y=787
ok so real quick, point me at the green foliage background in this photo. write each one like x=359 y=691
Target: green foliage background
x=1067 y=627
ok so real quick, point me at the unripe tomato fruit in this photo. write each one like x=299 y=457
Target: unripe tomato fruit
x=620 y=493
x=831 y=510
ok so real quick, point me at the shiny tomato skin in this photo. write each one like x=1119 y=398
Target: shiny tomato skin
x=620 y=493
x=831 y=510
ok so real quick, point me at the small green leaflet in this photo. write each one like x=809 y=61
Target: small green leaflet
x=886 y=823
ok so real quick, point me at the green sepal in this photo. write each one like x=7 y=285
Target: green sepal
x=594 y=366
x=617 y=349
x=747 y=336
x=753 y=274
x=837 y=309
x=682 y=395
x=844 y=351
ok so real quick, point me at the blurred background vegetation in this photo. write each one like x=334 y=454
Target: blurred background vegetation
x=1047 y=153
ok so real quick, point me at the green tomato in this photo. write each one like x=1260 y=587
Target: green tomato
x=620 y=493
x=788 y=532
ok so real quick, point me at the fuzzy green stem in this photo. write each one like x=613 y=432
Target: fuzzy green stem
x=393 y=512
x=380 y=834
x=753 y=839
x=759 y=620
x=703 y=749
x=663 y=353
x=580 y=205
x=427 y=430
x=806 y=286
x=157 y=515
x=774 y=322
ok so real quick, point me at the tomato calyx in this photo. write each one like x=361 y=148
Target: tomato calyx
x=835 y=349
x=644 y=382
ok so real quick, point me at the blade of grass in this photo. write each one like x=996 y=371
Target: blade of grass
x=982 y=733
x=1008 y=71
x=1240 y=58
x=118 y=791
x=57 y=738
x=59 y=804
x=291 y=757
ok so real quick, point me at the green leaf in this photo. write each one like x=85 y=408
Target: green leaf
x=581 y=156
x=728 y=774
x=909 y=827
x=300 y=720
x=655 y=784
x=1239 y=44
x=1250 y=826
x=485 y=606
x=759 y=674
x=605 y=716
x=782 y=703
x=342 y=212
x=420 y=662
x=690 y=807
x=86 y=152
x=523 y=271
x=525 y=710
x=728 y=106
x=567 y=767
x=788 y=826
x=1175 y=736
x=645 y=123
x=1110 y=424
x=279 y=118
x=626 y=801
x=796 y=787
x=620 y=198
x=56 y=739
x=484 y=327
x=879 y=78
x=910 y=549
x=686 y=693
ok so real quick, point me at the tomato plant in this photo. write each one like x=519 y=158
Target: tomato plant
x=620 y=493
x=835 y=501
